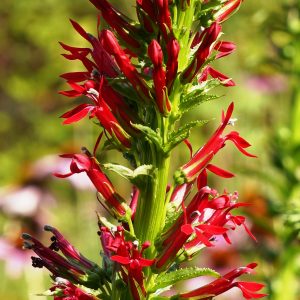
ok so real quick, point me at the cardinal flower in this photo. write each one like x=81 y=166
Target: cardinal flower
x=128 y=255
x=225 y=283
x=94 y=83
x=111 y=45
x=204 y=155
x=88 y=164
x=205 y=44
x=131 y=259
x=119 y=23
x=228 y=8
x=65 y=290
x=101 y=111
x=206 y=216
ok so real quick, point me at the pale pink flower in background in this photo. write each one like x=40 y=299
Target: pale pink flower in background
x=267 y=84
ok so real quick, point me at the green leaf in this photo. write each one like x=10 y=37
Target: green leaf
x=198 y=94
x=171 y=216
x=192 y=101
x=120 y=85
x=182 y=133
x=212 y=5
x=168 y=279
x=144 y=170
x=150 y=135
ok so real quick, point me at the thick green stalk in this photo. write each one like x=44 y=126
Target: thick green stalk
x=150 y=215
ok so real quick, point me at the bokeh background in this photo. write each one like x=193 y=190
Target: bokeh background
x=266 y=68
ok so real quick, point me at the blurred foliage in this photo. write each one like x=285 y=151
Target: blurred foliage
x=266 y=68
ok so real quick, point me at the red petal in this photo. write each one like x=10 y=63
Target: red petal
x=120 y=259
x=241 y=149
x=203 y=239
x=189 y=145
x=202 y=180
x=251 y=286
x=234 y=135
x=146 y=262
x=72 y=49
x=187 y=229
x=62 y=175
x=78 y=115
x=75 y=76
x=70 y=93
x=74 y=110
x=80 y=30
x=212 y=229
x=220 y=172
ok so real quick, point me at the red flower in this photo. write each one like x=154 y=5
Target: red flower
x=226 y=81
x=164 y=17
x=146 y=14
x=102 y=63
x=206 y=216
x=128 y=255
x=55 y=263
x=225 y=48
x=65 y=290
x=229 y=7
x=96 y=86
x=100 y=110
x=60 y=243
x=112 y=46
x=204 y=155
x=225 y=283
x=84 y=163
x=118 y=22
x=207 y=38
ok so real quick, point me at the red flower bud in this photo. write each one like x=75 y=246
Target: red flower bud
x=172 y=62
x=159 y=78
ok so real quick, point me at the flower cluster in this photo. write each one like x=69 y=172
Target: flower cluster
x=138 y=79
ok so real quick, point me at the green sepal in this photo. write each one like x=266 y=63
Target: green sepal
x=169 y=279
x=183 y=133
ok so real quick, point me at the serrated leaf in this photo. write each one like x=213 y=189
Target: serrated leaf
x=183 y=133
x=195 y=100
x=144 y=170
x=168 y=279
x=171 y=216
x=149 y=134
x=198 y=94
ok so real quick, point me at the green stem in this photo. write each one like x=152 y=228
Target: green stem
x=150 y=215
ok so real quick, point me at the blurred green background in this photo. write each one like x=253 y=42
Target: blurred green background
x=266 y=69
